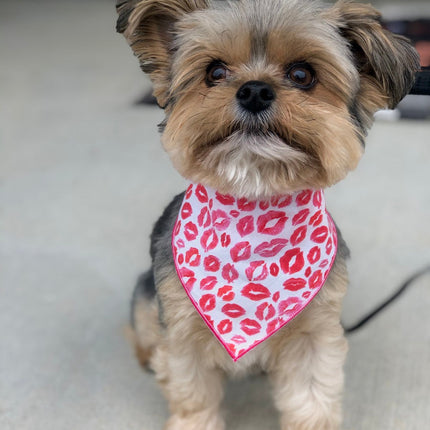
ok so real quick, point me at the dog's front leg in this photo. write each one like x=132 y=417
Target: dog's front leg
x=308 y=380
x=194 y=391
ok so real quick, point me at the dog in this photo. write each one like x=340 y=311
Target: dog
x=267 y=103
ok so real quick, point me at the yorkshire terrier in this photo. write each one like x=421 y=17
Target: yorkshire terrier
x=267 y=103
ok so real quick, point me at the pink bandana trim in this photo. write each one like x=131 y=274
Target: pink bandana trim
x=249 y=267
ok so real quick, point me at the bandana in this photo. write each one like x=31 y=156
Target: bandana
x=249 y=267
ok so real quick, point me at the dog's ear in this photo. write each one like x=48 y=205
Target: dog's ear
x=387 y=62
x=148 y=26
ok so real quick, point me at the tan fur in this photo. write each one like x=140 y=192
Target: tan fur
x=307 y=139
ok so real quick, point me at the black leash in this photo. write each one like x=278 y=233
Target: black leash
x=403 y=287
x=422 y=82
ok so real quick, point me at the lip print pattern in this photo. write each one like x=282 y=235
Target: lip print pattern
x=255 y=292
x=250 y=267
x=272 y=248
x=245 y=225
x=233 y=310
x=257 y=271
x=271 y=222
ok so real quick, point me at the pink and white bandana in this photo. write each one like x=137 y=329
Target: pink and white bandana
x=249 y=267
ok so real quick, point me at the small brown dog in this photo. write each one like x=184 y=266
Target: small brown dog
x=267 y=102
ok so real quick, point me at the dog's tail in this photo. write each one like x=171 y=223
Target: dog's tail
x=144 y=319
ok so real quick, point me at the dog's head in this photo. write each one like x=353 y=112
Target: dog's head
x=266 y=97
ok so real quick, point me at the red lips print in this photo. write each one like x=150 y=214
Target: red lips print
x=237 y=338
x=211 y=263
x=329 y=246
x=274 y=269
x=208 y=283
x=209 y=240
x=294 y=284
x=314 y=255
x=264 y=205
x=207 y=302
x=190 y=231
x=283 y=201
x=250 y=327
x=202 y=194
x=301 y=216
x=220 y=220
x=229 y=273
x=204 y=218
x=319 y=235
x=255 y=292
x=233 y=310
x=304 y=198
x=299 y=235
x=265 y=311
x=272 y=248
x=189 y=192
x=289 y=306
x=316 y=279
x=273 y=222
x=225 y=240
x=225 y=326
x=192 y=257
x=226 y=293
x=316 y=219
x=245 y=225
x=245 y=205
x=186 y=210
x=225 y=199
x=240 y=251
x=292 y=261
x=257 y=271
x=188 y=278
x=317 y=199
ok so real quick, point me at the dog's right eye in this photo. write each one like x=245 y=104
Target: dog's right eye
x=216 y=72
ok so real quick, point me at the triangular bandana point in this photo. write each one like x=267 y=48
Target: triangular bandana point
x=249 y=267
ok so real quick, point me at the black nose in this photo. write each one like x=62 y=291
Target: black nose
x=255 y=96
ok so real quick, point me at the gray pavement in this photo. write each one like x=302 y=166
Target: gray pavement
x=82 y=179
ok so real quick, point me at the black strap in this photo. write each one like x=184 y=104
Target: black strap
x=422 y=82
x=401 y=289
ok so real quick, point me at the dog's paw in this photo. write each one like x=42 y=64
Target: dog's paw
x=204 y=420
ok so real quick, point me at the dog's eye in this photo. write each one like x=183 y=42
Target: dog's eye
x=301 y=75
x=216 y=72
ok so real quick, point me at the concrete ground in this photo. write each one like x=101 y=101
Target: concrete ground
x=82 y=179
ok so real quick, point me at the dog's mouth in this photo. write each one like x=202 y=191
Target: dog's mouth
x=253 y=137
x=253 y=134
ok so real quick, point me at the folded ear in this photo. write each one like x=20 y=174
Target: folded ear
x=387 y=62
x=148 y=26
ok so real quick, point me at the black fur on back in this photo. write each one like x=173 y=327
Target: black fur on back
x=161 y=255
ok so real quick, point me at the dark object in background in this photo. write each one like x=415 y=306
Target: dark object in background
x=418 y=31
x=416 y=105
x=422 y=83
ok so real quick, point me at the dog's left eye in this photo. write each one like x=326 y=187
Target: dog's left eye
x=301 y=75
x=216 y=72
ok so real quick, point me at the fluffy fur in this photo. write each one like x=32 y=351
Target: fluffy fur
x=307 y=138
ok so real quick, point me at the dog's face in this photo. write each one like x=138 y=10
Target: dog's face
x=266 y=97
